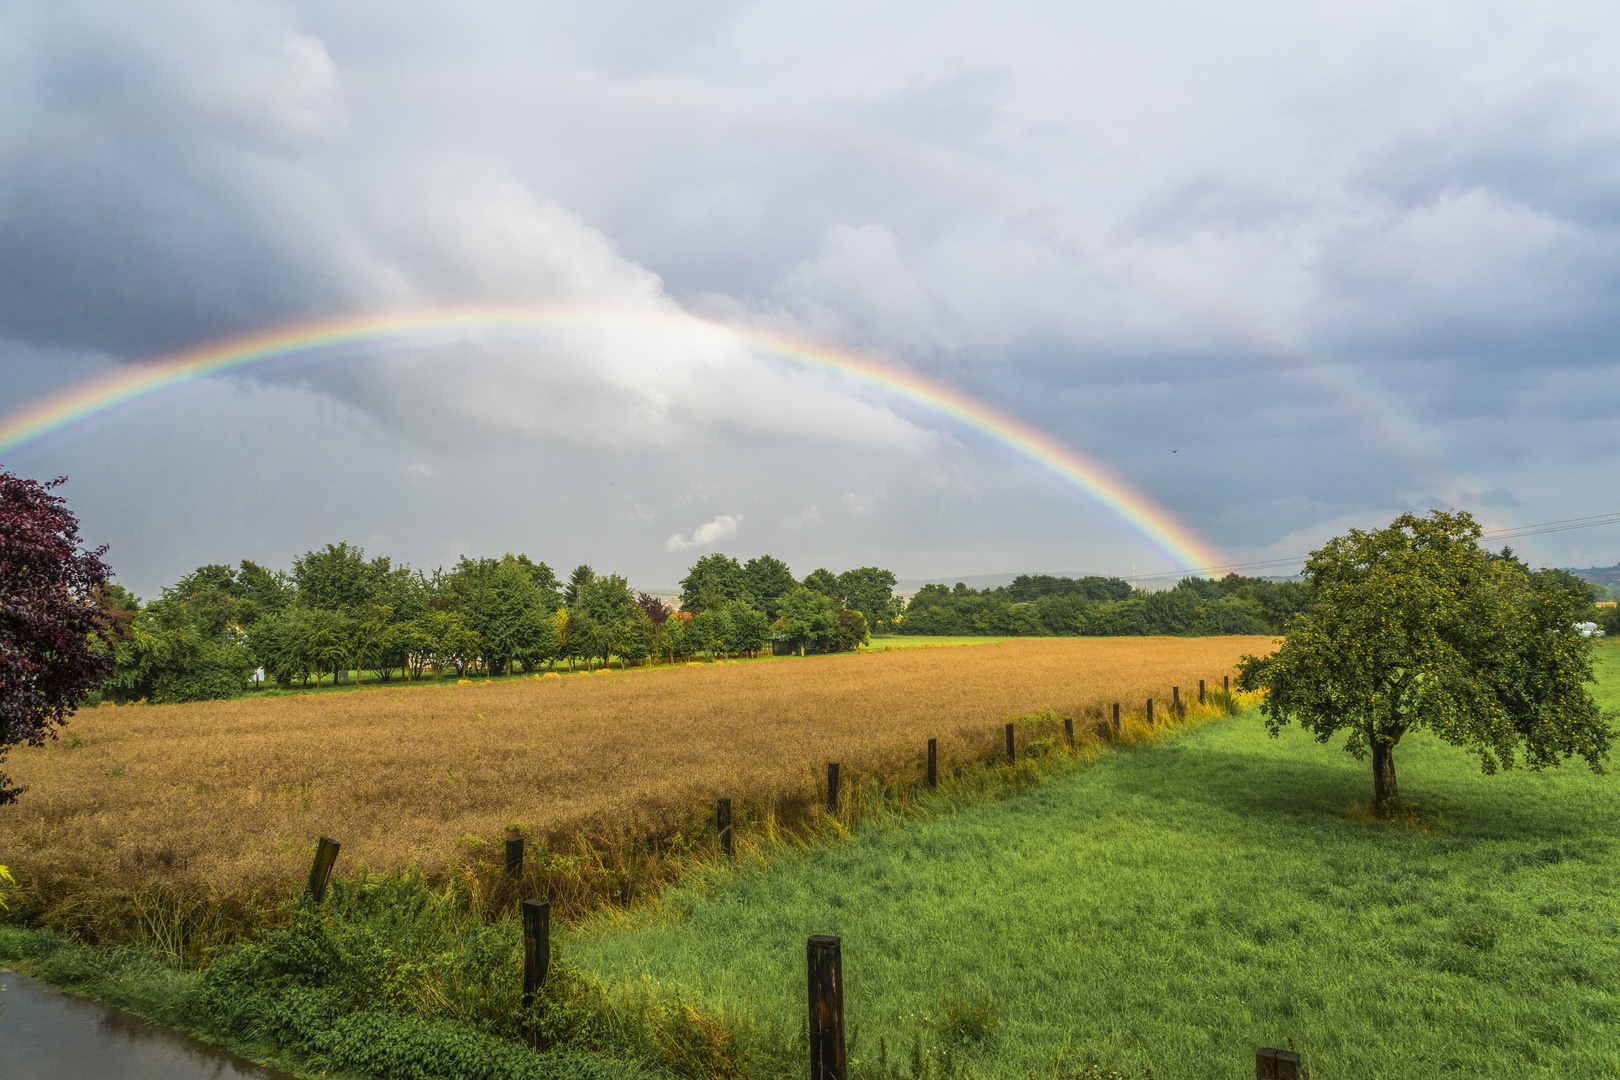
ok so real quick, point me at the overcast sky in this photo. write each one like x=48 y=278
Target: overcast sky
x=1285 y=268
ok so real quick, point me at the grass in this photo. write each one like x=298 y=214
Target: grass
x=182 y=825
x=395 y=977
x=1173 y=904
x=1184 y=903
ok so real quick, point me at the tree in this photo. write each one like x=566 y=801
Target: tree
x=581 y=576
x=544 y=580
x=676 y=636
x=267 y=591
x=749 y=628
x=501 y=602
x=611 y=605
x=869 y=591
x=823 y=581
x=851 y=631
x=374 y=641
x=769 y=580
x=328 y=640
x=173 y=654
x=654 y=608
x=52 y=647
x=636 y=639
x=336 y=578
x=808 y=621
x=713 y=581
x=710 y=630
x=1415 y=626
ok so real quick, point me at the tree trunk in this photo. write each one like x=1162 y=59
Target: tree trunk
x=1383 y=755
x=1384 y=788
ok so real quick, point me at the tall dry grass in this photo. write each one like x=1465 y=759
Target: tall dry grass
x=178 y=825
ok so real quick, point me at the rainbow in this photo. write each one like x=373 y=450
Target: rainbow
x=96 y=397
x=1384 y=420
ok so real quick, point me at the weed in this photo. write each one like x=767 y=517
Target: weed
x=1398 y=812
x=962 y=1019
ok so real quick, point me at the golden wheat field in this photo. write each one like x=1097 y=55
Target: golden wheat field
x=219 y=800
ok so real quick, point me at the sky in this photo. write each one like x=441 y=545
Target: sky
x=1267 y=271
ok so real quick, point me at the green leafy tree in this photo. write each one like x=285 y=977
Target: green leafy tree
x=336 y=578
x=611 y=605
x=501 y=603
x=713 y=581
x=1415 y=626
x=448 y=639
x=161 y=641
x=710 y=630
x=374 y=640
x=581 y=576
x=749 y=628
x=414 y=640
x=636 y=638
x=544 y=580
x=823 y=581
x=537 y=636
x=675 y=636
x=265 y=591
x=586 y=637
x=870 y=591
x=328 y=641
x=809 y=620
x=768 y=581
x=186 y=645
x=851 y=630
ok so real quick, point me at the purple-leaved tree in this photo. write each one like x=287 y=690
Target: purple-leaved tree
x=50 y=616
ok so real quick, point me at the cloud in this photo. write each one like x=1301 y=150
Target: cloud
x=721 y=528
x=798 y=520
x=1272 y=238
x=858 y=504
x=1495 y=497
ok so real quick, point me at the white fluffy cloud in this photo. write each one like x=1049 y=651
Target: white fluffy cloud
x=708 y=534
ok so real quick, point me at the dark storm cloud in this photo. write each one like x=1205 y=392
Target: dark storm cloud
x=1340 y=261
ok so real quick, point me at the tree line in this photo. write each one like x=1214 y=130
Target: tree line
x=337 y=611
x=1038 y=605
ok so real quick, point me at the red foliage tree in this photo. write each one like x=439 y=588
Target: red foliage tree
x=50 y=613
x=655 y=608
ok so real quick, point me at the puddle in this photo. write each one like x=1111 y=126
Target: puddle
x=47 y=1034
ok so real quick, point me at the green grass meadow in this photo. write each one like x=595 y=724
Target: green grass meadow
x=1179 y=905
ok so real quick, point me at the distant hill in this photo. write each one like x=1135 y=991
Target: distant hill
x=1598 y=575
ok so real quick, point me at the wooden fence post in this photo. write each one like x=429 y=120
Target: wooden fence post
x=722 y=825
x=832 y=787
x=1175 y=701
x=536 y=947
x=1200 y=691
x=1009 y=744
x=514 y=856
x=826 y=1008
x=933 y=763
x=1116 y=720
x=1150 y=712
x=1273 y=1064
x=320 y=871
x=1226 y=683
x=1068 y=729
